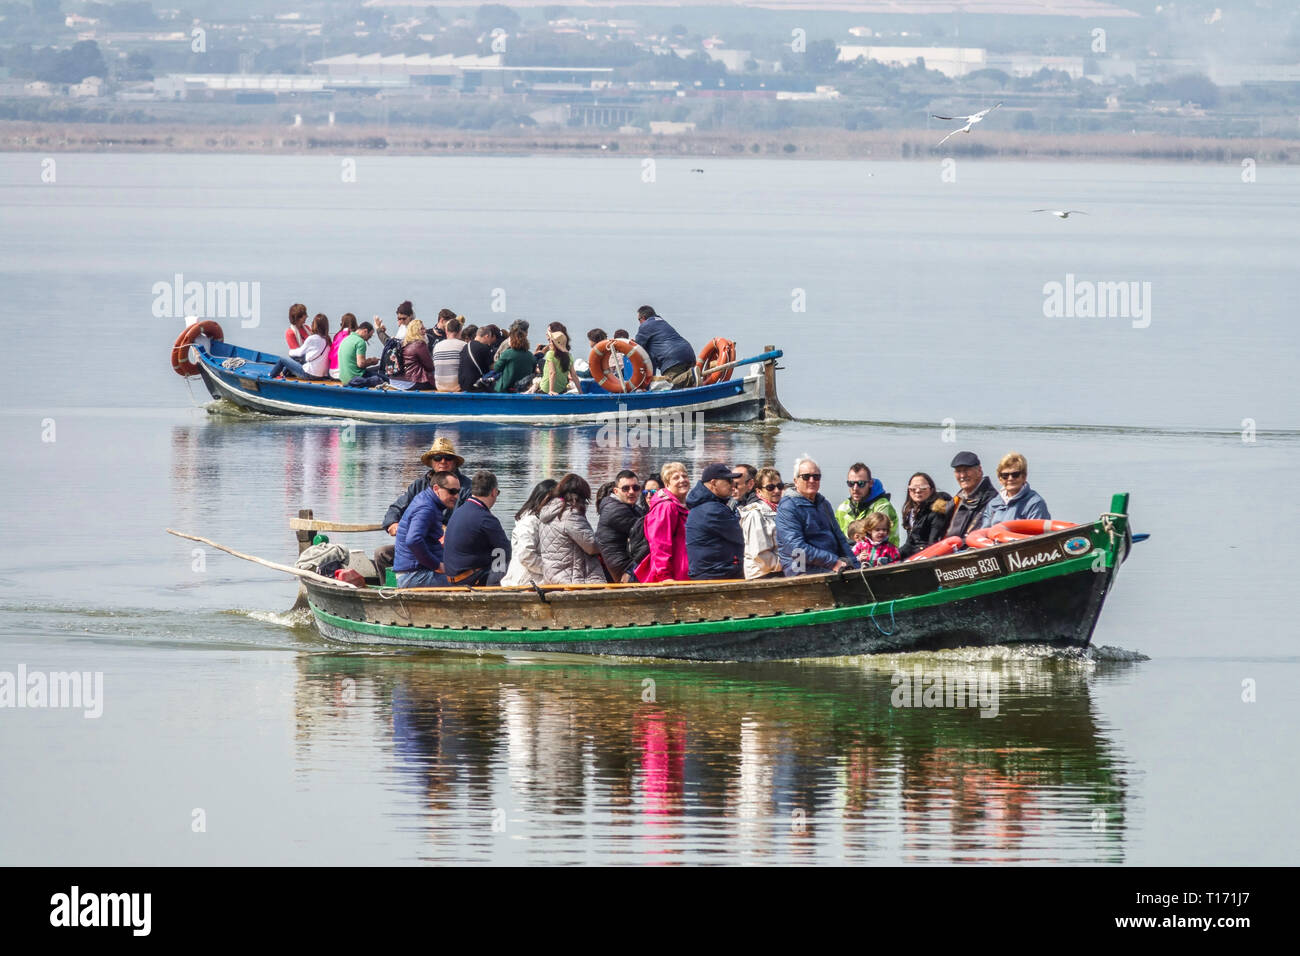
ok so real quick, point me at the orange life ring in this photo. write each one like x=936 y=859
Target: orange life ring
x=602 y=369
x=1001 y=534
x=1032 y=526
x=181 y=363
x=981 y=538
x=719 y=351
x=939 y=548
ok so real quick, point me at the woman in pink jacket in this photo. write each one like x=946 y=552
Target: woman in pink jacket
x=665 y=529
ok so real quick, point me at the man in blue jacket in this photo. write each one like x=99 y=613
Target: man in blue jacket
x=476 y=551
x=670 y=354
x=808 y=538
x=715 y=545
x=418 y=559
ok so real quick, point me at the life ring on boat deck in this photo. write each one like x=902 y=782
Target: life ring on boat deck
x=938 y=549
x=603 y=370
x=719 y=351
x=181 y=363
x=981 y=538
x=1001 y=534
x=1028 y=527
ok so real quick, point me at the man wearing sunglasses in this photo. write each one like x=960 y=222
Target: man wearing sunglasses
x=1017 y=500
x=866 y=494
x=419 y=552
x=743 y=492
x=809 y=539
x=974 y=492
x=618 y=512
x=715 y=545
x=758 y=522
x=441 y=458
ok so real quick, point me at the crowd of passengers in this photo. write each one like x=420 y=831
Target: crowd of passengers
x=456 y=356
x=735 y=522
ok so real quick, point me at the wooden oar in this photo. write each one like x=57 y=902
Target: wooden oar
x=296 y=572
x=311 y=524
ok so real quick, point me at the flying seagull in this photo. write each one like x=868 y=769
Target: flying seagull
x=970 y=121
x=1062 y=213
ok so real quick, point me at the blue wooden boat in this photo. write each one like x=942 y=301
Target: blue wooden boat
x=242 y=377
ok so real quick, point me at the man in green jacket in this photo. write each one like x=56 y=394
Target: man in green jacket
x=866 y=494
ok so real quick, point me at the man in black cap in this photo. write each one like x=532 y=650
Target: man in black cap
x=671 y=355
x=715 y=545
x=973 y=493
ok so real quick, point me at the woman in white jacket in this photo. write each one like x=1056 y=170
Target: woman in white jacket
x=525 y=558
x=758 y=522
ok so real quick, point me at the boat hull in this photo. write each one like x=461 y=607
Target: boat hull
x=1049 y=590
x=249 y=387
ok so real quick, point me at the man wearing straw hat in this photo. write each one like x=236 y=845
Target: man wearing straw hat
x=441 y=457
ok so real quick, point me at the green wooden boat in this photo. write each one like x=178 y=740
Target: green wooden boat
x=1048 y=589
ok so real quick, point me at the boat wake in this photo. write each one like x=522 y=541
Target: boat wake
x=297 y=618
x=1281 y=434
x=1020 y=654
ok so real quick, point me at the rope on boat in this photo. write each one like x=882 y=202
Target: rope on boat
x=231 y=364
x=862 y=573
x=871 y=616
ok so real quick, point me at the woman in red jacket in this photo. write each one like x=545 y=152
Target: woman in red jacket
x=296 y=335
x=665 y=529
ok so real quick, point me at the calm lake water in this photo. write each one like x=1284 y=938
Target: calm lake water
x=923 y=316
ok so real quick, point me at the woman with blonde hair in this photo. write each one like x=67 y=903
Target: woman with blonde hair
x=665 y=529
x=1017 y=500
x=417 y=363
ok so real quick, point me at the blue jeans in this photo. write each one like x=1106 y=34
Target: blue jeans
x=294 y=369
x=421 y=578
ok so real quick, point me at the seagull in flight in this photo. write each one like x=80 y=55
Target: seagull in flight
x=970 y=121
x=1062 y=213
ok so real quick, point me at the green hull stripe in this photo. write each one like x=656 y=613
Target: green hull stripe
x=881 y=610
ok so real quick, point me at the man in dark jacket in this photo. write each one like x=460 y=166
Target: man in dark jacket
x=476 y=550
x=419 y=552
x=808 y=538
x=974 y=492
x=743 y=493
x=618 y=513
x=715 y=545
x=670 y=354
x=476 y=358
x=440 y=458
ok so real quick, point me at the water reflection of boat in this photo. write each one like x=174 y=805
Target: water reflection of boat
x=769 y=759
x=1047 y=589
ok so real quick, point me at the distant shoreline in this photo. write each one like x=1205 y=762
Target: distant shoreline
x=794 y=143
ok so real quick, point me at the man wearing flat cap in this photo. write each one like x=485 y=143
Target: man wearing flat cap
x=440 y=458
x=974 y=491
x=715 y=544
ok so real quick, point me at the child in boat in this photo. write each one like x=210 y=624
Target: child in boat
x=871 y=540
